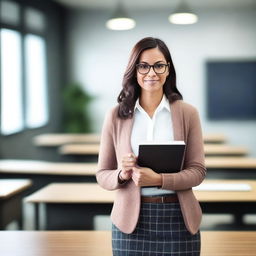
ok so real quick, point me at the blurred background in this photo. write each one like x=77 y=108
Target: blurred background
x=49 y=47
x=61 y=70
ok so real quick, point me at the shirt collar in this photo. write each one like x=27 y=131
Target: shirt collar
x=163 y=104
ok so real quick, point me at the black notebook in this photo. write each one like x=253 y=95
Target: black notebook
x=162 y=157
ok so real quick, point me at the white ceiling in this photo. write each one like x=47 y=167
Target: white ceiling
x=157 y=4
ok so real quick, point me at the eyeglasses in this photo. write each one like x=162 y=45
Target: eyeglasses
x=144 y=68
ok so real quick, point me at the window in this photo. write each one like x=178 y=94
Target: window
x=34 y=20
x=10 y=12
x=23 y=68
x=36 y=94
x=11 y=91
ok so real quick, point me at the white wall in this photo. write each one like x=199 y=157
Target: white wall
x=98 y=57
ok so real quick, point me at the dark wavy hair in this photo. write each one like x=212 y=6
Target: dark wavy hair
x=131 y=89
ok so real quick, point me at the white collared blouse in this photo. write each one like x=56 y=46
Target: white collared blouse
x=158 y=128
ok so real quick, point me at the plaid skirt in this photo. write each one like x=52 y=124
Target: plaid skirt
x=160 y=231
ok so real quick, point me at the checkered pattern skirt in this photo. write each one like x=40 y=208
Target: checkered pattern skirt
x=160 y=231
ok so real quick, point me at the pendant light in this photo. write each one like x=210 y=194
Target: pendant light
x=183 y=15
x=120 y=20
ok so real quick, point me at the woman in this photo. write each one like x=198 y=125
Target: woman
x=162 y=219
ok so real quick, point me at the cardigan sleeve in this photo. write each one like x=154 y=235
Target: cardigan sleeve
x=107 y=174
x=194 y=171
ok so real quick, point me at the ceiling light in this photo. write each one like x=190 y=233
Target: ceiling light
x=120 y=20
x=183 y=15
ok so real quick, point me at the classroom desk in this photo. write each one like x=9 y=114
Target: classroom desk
x=79 y=149
x=42 y=173
x=73 y=206
x=59 y=168
x=216 y=138
x=11 y=193
x=224 y=150
x=230 y=162
x=210 y=149
x=58 y=139
x=231 y=167
x=95 y=243
x=44 y=167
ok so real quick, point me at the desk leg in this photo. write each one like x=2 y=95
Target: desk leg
x=20 y=223
x=2 y=225
x=238 y=219
x=69 y=217
x=10 y=210
x=37 y=225
x=74 y=216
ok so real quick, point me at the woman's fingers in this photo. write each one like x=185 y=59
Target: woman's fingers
x=129 y=161
x=127 y=169
x=130 y=164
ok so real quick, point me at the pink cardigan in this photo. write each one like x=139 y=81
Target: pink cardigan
x=115 y=142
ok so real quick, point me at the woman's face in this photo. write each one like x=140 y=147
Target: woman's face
x=152 y=81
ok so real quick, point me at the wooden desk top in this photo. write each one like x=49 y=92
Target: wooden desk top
x=228 y=196
x=71 y=193
x=43 y=167
x=58 y=139
x=55 y=243
x=221 y=149
x=51 y=168
x=230 y=162
x=80 y=149
x=214 y=138
x=9 y=187
x=210 y=149
x=93 y=193
x=95 y=243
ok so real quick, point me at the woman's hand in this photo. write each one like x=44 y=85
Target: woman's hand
x=128 y=162
x=143 y=176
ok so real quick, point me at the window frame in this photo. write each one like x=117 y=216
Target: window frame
x=21 y=28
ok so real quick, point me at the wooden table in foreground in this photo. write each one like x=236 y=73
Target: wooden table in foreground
x=96 y=243
x=73 y=206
